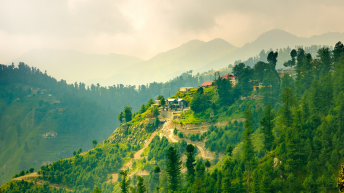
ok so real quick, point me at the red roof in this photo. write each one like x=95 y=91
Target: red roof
x=230 y=76
x=207 y=83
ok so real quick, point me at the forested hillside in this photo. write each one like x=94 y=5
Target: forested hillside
x=284 y=137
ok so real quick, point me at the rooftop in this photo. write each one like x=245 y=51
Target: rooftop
x=207 y=83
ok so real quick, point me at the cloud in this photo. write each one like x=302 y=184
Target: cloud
x=145 y=28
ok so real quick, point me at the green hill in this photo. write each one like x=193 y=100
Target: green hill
x=285 y=136
x=37 y=129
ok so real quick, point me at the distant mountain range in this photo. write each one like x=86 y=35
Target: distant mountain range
x=194 y=55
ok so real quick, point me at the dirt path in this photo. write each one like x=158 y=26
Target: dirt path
x=167 y=131
x=137 y=156
x=33 y=176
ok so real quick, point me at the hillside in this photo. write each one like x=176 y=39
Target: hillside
x=284 y=136
x=37 y=128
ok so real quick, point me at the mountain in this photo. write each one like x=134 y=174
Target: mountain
x=75 y=66
x=273 y=39
x=169 y=64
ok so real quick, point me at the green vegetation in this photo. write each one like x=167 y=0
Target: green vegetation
x=284 y=138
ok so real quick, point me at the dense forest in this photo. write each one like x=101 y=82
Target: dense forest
x=298 y=121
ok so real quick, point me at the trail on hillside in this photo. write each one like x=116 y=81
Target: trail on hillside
x=167 y=131
x=32 y=178
x=137 y=156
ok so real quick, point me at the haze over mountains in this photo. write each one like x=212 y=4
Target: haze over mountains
x=194 y=55
x=74 y=66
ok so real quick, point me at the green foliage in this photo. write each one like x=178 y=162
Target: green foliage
x=190 y=164
x=156 y=112
x=127 y=114
x=94 y=143
x=124 y=182
x=97 y=190
x=267 y=127
x=173 y=168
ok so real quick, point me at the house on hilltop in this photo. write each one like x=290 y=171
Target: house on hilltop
x=185 y=89
x=232 y=79
x=207 y=83
x=176 y=104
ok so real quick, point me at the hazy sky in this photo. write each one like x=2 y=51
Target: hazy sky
x=144 y=28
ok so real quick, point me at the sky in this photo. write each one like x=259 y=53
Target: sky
x=147 y=27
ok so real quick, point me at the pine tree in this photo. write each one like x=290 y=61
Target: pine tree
x=157 y=172
x=127 y=113
x=197 y=187
x=142 y=109
x=124 y=182
x=141 y=188
x=289 y=100
x=267 y=126
x=190 y=164
x=248 y=147
x=173 y=168
x=226 y=180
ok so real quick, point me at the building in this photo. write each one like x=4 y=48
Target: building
x=207 y=83
x=232 y=79
x=229 y=76
x=284 y=70
x=176 y=104
x=185 y=89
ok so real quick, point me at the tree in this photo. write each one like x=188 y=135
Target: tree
x=197 y=187
x=94 y=143
x=238 y=69
x=272 y=59
x=248 y=147
x=157 y=171
x=325 y=58
x=262 y=56
x=207 y=164
x=226 y=181
x=267 y=126
x=150 y=102
x=127 y=114
x=289 y=100
x=340 y=181
x=74 y=153
x=31 y=170
x=141 y=188
x=224 y=90
x=174 y=166
x=142 y=109
x=156 y=112
x=162 y=100
x=124 y=184
x=338 y=51
x=79 y=151
x=97 y=190
x=190 y=164
x=229 y=150
x=293 y=54
x=120 y=117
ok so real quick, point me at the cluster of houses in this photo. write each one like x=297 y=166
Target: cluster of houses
x=181 y=104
